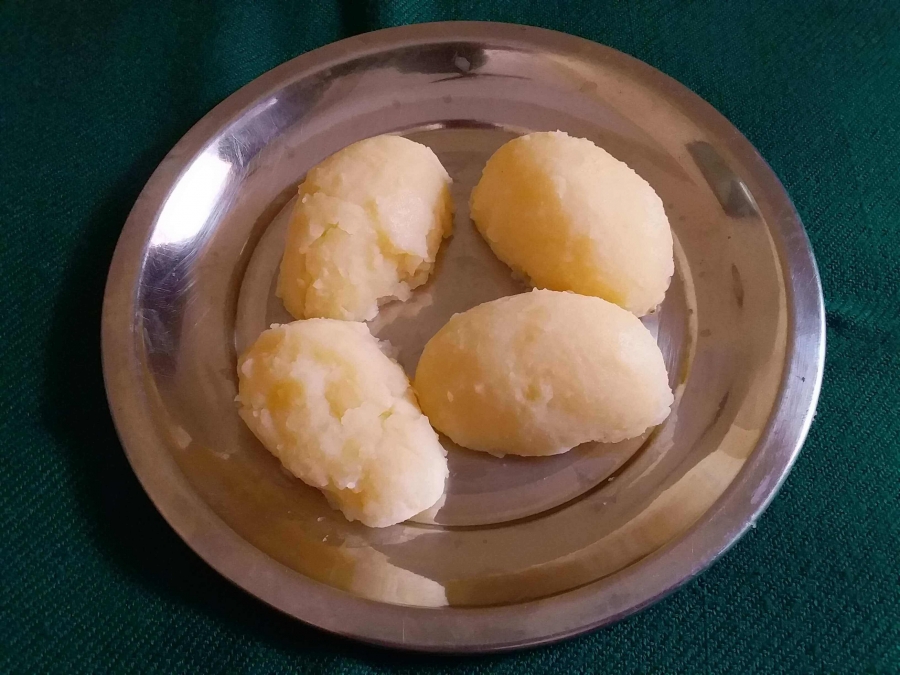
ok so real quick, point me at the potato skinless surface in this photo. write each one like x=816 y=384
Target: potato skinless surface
x=366 y=228
x=571 y=217
x=542 y=372
x=341 y=416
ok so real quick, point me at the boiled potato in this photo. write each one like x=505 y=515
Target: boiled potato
x=541 y=372
x=570 y=217
x=366 y=228
x=341 y=416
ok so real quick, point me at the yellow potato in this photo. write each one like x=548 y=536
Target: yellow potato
x=570 y=217
x=541 y=372
x=366 y=228
x=342 y=417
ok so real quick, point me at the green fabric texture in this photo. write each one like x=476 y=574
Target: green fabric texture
x=92 y=96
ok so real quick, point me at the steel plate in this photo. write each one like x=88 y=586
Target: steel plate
x=522 y=551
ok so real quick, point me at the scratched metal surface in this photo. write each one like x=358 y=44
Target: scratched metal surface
x=521 y=551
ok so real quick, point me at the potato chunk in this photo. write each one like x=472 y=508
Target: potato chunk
x=541 y=372
x=366 y=228
x=342 y=417
x=570 y=217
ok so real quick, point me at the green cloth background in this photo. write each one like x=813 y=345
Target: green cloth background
x=92 y=96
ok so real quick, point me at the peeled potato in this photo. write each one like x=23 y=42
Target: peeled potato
x=541 y=372
x=366 y=229
x=570 y=217
x=342 y=417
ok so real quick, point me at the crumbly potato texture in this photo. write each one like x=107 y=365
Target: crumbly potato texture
x=366 y=228
x=568 y=216
x=341 y=416
x=542 y=372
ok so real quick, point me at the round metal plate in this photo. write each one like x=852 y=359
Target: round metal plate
x=522 y=551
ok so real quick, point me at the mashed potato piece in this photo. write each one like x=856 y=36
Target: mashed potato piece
x=541 y=372
x=341 y=416
x=570 y=217
x=366 y=228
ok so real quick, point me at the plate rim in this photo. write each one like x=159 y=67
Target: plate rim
x=335 y=611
